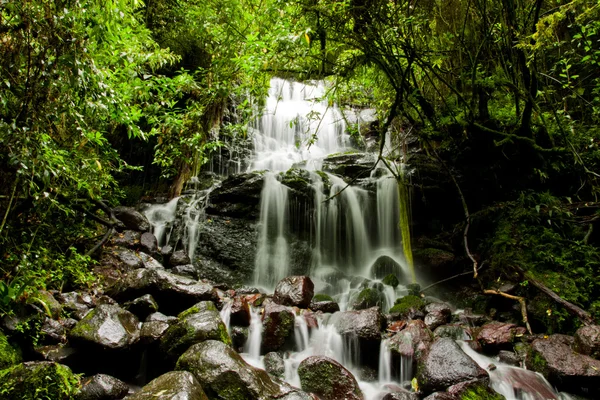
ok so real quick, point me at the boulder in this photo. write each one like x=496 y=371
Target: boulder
x=77 y=303
x=470 y=319
x=128 y=259
x=509 y=357
x=152 y=331
x=349 y=165
x=435 y=319
x=278 y=325
x=53 y=332
x=554 y=358
x=407 y=307
x=58 y=353
x=172 y=292
x=441 y=396
x=385 y=266
x=444 y=365
x=474 y=389
x=295 y=291
x=324 y=306
x=274 y=364
x=225 y=375
x=132 y=219
x=412 y=342
x=127 y=238
x=179 y=257
x=142 y=306
x=38 y=380
x=364 y=324
x=367 y=298
x=9 y=355
x=107 y=326
x=443 y=308
x=237 y=196
x=499 y=335
x=174 y=385
x=149 y=261
x=456 y=332
x=391 y=280
x=157 y=316
x=197 y=324
x=148 y=243
x=587 y=341
x=102 y=387
x=328 y=379
x=187 y=270
x=240 y=311
x=50 y=303
x=400 y=396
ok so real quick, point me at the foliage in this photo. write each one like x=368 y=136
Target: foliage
x=35 y=381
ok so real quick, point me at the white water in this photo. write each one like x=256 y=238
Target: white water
x=161 y=217
x=225 y=314
x=252 y=347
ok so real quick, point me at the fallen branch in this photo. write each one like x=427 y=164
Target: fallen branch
x=521 y=301
x=452 y=277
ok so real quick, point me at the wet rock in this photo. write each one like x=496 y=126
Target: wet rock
x=107 y=326
x=9 y=354
x=172 y=292
x=240 y=311
x=179 y=257
x=413 y=341
x=385 y=266
x=396 y=326
x=498 y=335
x=50 y=302
x=225 y=375
x=509 y=357
x=274 y=364
x=150 y=262
x=440 y=396
x=102 y=387
x=469 y=318
x=278 y=325
x=435 y=319
x=152 y=331
x=364 y=324
x=188 y=270
x=474 y=389
x=157 y=316
x=295 y=291
x=349 y=165
x=237 y=196
x=367 y=298
x=443 y=308
x=78 y=304
x=58 y=353
x=38 y=380
x=400 y=396
x=391 y=280
x=174 y=385
x=142 y=306
x=444 y=365
x=456 y=332
x=564 y=368
x=132 y=219
x=148 y=243
x=53 y=331
x=324 y=306
x=129 y=259
x=239 y=336
x=407 y=307
x=328 y=379
x=587 y=341
x=128 y=238
x=197 y=324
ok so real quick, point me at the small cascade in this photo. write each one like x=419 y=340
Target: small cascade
x=226 y=314
x=385 y=363
x=162 y=217
x=252 y=346
x=272 y=260
x=193 y=217
x=301 y=335
x=387 y=212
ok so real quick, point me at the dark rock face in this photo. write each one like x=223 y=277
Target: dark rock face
x=328 y=379
x=435 y=319
x=172 y=292
x=142 y=306
x=444 y=365
x=129 y=259
x=237 y=196
x=175 y=385
x=127 y=238
x=355 y=165
x=188 y=270
x=58 y=353
x=325 y=306
x=278 y=325
x=132 y=219
x=385 y=266
x=456 y=332
x=295 y=291
x=364 y=324
x=470 y=319
x=197 y=324
x=564 y=368
x=179 y=257
x=413 y=341
x=53 y=331
x=240 y=311
x=225 y=375
x=148 y=243
x=152 y=331
x=102 y=387
x=498 y=335
x=367 y=298
x=107 y=326
x=274 y=364
x=587 y=341
x=38 y=380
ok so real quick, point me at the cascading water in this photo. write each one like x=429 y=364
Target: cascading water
x=162 y=216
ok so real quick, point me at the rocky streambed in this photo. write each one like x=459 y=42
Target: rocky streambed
x=156 y=331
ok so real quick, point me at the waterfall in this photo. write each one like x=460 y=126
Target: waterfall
x=252 y=346
x=161 y=217
x=225 y=314
x=385 y=362
x=301 y=335
x=387 y=211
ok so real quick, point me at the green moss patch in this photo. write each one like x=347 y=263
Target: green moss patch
x=404 y=304
x=38 y=381
x=9 y=355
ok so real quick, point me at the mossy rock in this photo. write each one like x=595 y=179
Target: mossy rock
x=328 y=379
x=321 y=297
x=367 y=298
x=38 y=380
x=9 y=355
x=406 y=303
x=480 y=392
x=391 y=280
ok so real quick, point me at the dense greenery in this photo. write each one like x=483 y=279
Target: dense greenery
x=505 y=95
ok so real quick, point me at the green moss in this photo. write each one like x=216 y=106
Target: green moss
x=9 y=355
x=536 y=362
x=201 y=306
x=321 y=297
x=480 y=392
x=391 y=280
x=367 y=298
x=225 y=338
x=404 y=304
x=38 y=381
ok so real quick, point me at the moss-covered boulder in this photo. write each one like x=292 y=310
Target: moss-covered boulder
x=362 y=324
x=391 y=280
x=38 y=380
x=385 y=266
x=274 y=364
x=328 y=379
x=407 y=306
x=102 y=387
x=107 y=326
x=9 y=355
x=196 y=324
x=322 y=297
x=278 y=325
x=174 y=385
x=367 y=298
x=225 y=375
x=477 y=389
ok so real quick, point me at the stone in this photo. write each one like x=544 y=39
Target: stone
x=407 y=307
x=173 y=293
x=349 y=165
x=75 y=302
x=152 y=331
x=443 y=308
x=391 y=280
x=142 y=306
x=295 y=291
x=278 y=325
x=237 y=196
x=364 y=324
x=36 y=380
x=412 y=342
x=128 y=238
x=400 y=396
x=498 y=335
x=444 y=365
x=157 y=316
x=174 y=385
x=187 y=270
x=148 y=243
x=325 y=306
x=470 y=319
x=587 y=341
x=435 y=319
x=367 y=298
x=102 y=387
x=240 y=311
x=456 y=332
x=50 y=303
x=441 y=396
x=149 y=261
x=129 y=259
x=132 y=219
x=53 y=331
x=328 y=379
x=385 y=266
x=179 y=257
x=197 y=324
x=509 y=357
x=474 y=389
x=239 y=336
x=554 y=358
x=225 y=375
x=107 y=326
x=9 y=354
x=274 y=364
x=59 y=353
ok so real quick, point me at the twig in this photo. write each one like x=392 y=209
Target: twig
x=452 y=277
x=521 y=301
x=12 y=197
